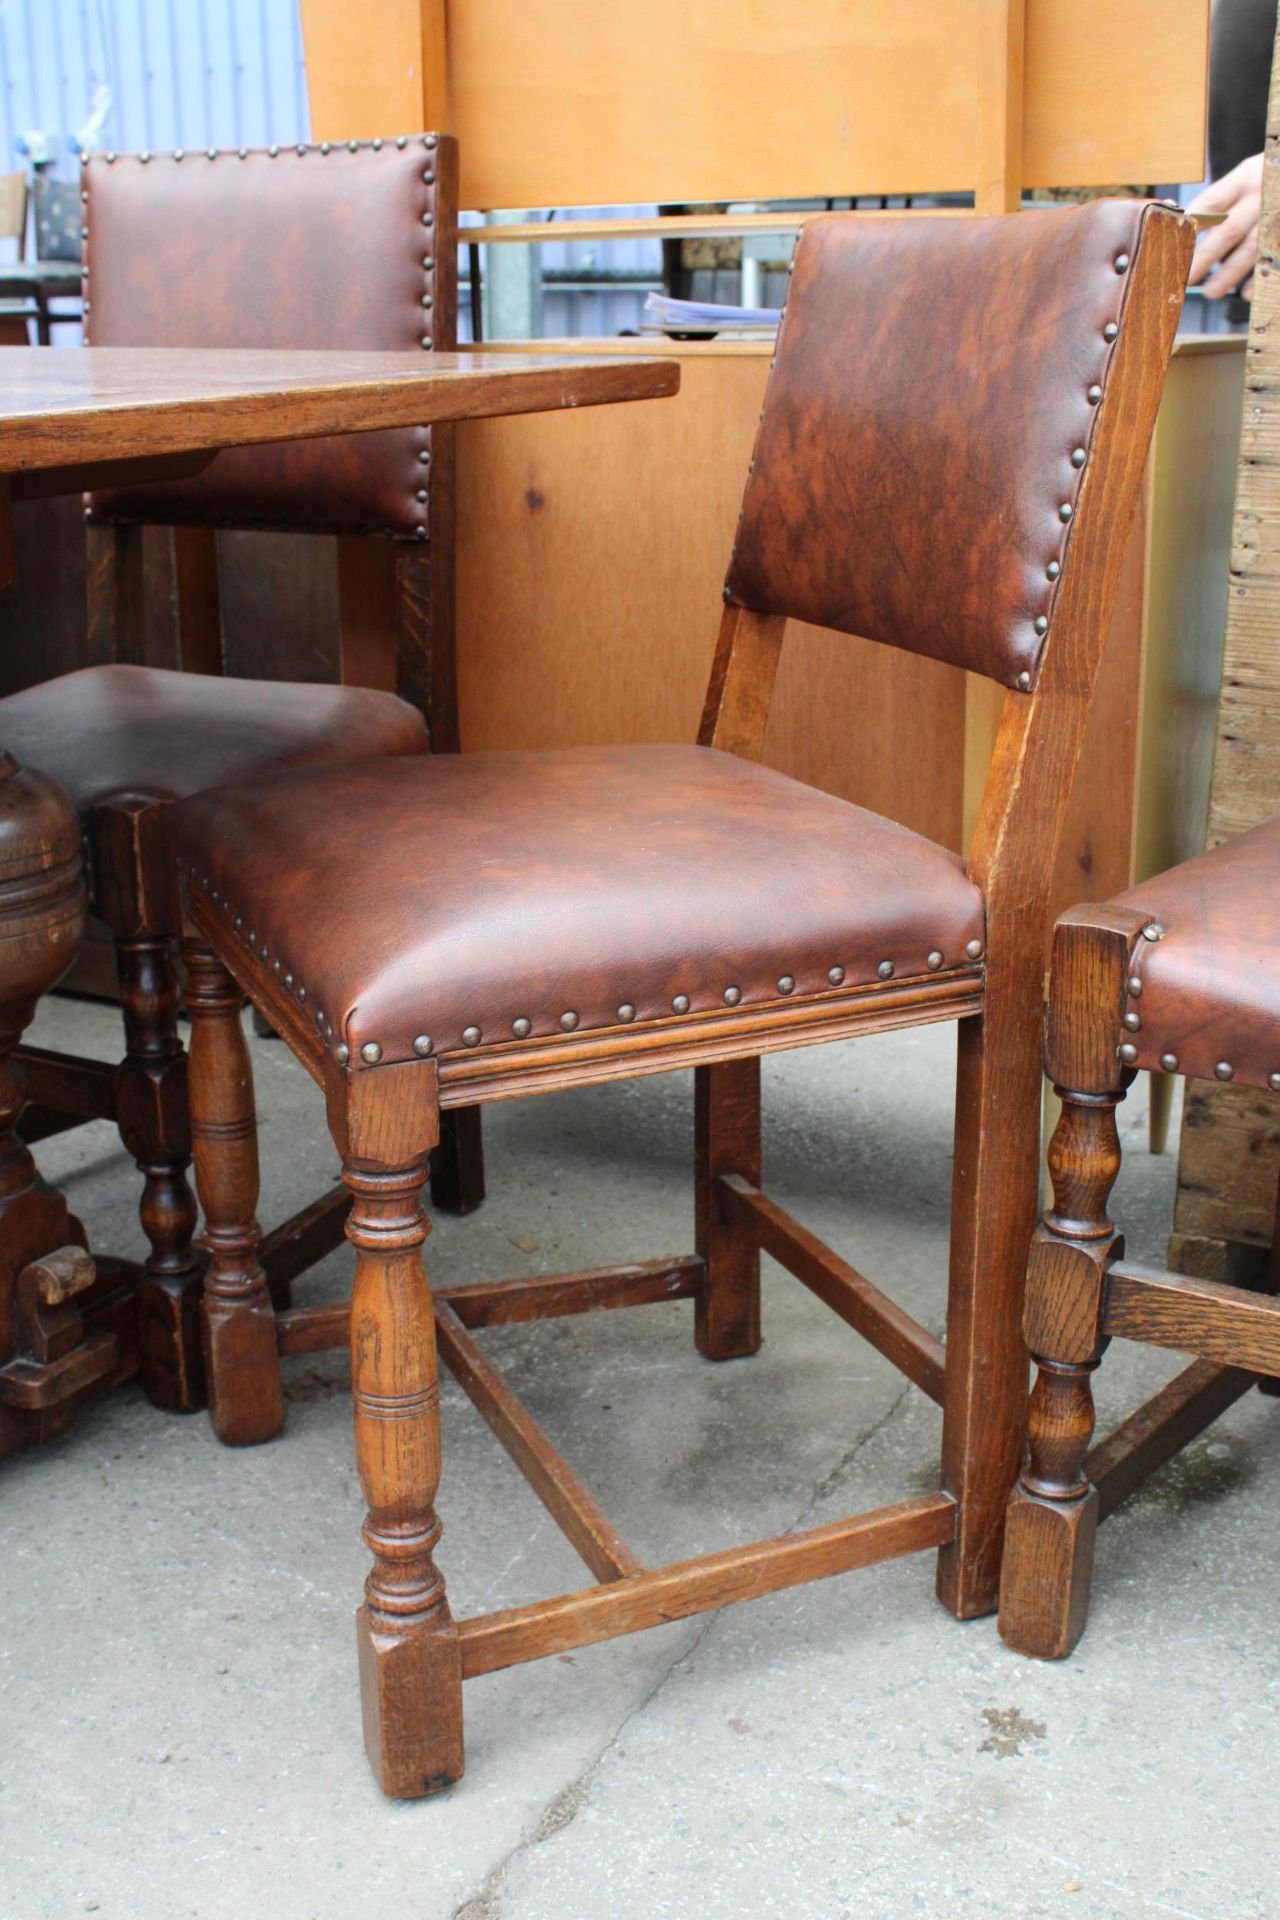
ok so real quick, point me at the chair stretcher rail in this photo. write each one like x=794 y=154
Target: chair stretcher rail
x=494 y=1640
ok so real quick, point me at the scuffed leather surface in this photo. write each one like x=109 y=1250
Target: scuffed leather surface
x=303 y=250
x=141 y=732
x=1211 y=983
x=929 y=388
x=478 y=889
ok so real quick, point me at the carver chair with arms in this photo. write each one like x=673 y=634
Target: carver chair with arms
x=343 y=246
x=948 y=458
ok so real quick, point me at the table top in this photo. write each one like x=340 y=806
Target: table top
x=62 y=406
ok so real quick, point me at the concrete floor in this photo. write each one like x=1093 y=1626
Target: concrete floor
x=179 y=1729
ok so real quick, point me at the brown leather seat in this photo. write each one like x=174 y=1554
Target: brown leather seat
x=1204 y=984
x=518 y=895
x=139 y=732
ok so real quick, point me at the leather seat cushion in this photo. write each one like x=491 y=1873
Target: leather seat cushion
x=429 y=896
x=1210 y=985
x=110 y=733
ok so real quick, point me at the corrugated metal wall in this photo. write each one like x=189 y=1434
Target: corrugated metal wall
x=181 y=73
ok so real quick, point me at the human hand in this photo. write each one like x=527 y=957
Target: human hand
x=1231 y=248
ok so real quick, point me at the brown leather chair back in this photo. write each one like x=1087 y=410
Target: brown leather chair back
x=927 y=425
x=332 y=246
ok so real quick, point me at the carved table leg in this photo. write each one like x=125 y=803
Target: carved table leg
x=410 y=1665
x=43 y=1368
x=1053 y=1515
x=151 y=1110
x=242 y=1365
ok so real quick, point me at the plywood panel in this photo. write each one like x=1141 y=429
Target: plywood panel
x=591 y=554
x=730 y=99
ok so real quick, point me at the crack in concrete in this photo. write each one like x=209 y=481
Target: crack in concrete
x=562 y=1810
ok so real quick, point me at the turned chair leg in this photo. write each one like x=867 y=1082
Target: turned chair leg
x=242 y=1364
x=1053 y=1515
x=410 y=1663
x=995 y=1179
x=151 y=1112
x=726 y=1140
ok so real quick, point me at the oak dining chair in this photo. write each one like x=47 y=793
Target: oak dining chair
x=1180 y=975
x=333 y=246
x=948 y=459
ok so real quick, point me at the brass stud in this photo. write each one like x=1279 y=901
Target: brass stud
x=1110 y=331
x=427 y=342
x=143 y=158
x=377 y=145
x=1065 y=511
x=428 y=176
x=302 y=993
x=1224 y=1071
x=934 y=961
x=1273 y=1081
x=371 y=1052
x=178 y=154
x=1042 y=624
x=1024 y=681
x=1094 y=394
x=974 y=950
x=787 y=983
x=1128 y=1053
x=1133 y=1021
x=835 y=976
x=287 y=982
x=422 y=494
x=342 y=1053
x=429 y=141
x=111 y=159
x=353 y=146
x=1078 y=456
x=272 y=153
x=275 y=964
x=300 y=150
x=428 y=219
x=885 y=969
x=242 y=153
x=568 y=1021
x=522 y=1028
x=1169 y=1061
x=1134 y=985
x=212 y=154
x=680 y=1004
x=626 y=1013
x=732 y=995
x=428 y=261
x=1154 y=932
x=1122 y=263
x=471 y=1036
x=324 y=146
x=1053 y=569
x=422 y=1046
x=423 y=458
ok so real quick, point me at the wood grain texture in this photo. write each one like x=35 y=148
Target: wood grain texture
x=763 y=103
x=1202 y=1317
x=62 y=407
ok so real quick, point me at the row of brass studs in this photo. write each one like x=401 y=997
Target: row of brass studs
x=1132 y=1021
x=424 y=1045
x=732 y=997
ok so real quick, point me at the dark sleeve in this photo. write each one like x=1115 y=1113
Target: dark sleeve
x=1240 y=42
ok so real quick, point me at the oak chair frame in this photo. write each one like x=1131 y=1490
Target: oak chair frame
x=1082 y=1293
x=389 y=590
x=385 y=1119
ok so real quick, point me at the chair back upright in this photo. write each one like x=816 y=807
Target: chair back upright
x=948 y=459
x=13 y=210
